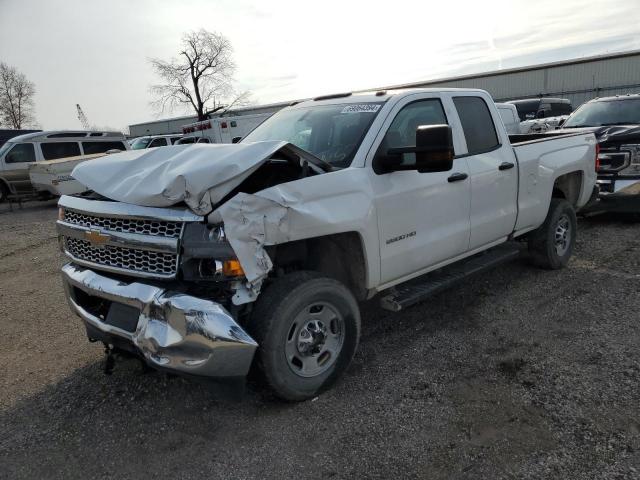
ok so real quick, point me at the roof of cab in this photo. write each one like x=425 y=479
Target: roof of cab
x=375 y=96
x=65 y=135
x=628 y=96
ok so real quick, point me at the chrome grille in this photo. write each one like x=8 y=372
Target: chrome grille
x=156 y=228
x=158 y=263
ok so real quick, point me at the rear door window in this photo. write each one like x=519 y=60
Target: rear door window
x=477 y=124
x=21 y=153
x=51 y=151
x=560 y=109
x=101 y=147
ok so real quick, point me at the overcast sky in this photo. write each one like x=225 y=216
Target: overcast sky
x=95 y=52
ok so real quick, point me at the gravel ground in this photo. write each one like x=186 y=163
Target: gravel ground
x=521 y=373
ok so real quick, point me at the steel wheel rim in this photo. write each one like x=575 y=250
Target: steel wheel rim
x=562 y=235
x=314 y=339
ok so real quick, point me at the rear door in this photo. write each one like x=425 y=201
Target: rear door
x=423 y=218
x=492 y=168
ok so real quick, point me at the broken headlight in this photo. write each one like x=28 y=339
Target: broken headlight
x=207 y=255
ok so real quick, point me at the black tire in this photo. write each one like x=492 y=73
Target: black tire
x=277 y=326
x=549 y=248
x=4 y=192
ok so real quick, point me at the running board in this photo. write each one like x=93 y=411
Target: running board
x=417 y=290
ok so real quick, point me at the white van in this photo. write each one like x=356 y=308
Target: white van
x=152 y=141
x=24 y=150
x=510 y=118
x=222 y=129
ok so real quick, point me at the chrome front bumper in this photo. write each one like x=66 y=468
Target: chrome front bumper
x=174 y=331
x=617 y=195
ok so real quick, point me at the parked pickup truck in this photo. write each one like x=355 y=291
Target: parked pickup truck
x=207 y=260
x=615 y=121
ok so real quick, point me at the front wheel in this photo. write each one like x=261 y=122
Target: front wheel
x=4 y=192
x=307 y=327
x=551 y=244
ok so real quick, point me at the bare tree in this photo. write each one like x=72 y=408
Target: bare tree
x=201 y=77
x=16 y=98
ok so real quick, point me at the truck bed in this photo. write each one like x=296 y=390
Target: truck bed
x=542 y=158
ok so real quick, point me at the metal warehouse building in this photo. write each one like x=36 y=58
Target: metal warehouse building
x=578 y=80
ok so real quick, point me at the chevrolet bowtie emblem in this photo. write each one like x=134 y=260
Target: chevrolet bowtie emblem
x=96 y=238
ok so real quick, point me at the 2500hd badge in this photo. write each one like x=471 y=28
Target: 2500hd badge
x=401 y=237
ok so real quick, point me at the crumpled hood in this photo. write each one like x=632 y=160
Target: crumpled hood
x=613 y=134
x=200 y=175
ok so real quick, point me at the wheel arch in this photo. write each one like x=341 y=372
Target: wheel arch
x=341 y=256
x=569 y=187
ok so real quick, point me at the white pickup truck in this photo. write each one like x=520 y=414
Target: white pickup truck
x=209 y=260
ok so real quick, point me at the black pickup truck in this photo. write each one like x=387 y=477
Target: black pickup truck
x=615 y=121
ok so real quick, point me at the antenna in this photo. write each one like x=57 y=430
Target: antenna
x=83 y=118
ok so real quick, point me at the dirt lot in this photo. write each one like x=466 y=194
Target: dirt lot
x=519 y=374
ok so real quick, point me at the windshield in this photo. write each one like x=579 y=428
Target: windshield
x=4 y=148
x=140 y=143
x=332 y=133
x=612 y=112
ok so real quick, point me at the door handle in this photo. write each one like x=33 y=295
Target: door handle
x=506 y=166
x=457 y=177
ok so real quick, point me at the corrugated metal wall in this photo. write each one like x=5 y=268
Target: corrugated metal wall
x=579 y=82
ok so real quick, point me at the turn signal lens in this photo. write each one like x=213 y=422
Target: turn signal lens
x=60 y=213
x=597 y=157
x=232 y=268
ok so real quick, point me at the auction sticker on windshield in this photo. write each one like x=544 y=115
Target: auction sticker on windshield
x=361 y=108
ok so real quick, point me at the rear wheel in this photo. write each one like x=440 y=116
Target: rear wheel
x=307 y=327
x=551 y=245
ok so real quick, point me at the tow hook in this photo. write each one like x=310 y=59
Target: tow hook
x=110 y=360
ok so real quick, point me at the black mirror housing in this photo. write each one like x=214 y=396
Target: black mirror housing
x=433 y=152
x=434 y=148
x=236 y=139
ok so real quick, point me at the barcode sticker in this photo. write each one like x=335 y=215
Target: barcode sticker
x=361 y=108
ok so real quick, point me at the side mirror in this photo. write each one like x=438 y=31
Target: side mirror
x=433 y=152
x=236 y=139
x=561 y=121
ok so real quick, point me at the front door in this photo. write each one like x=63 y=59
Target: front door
x=15 y=166
x=423 y=218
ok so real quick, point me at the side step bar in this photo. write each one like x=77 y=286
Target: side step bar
x=417 y=290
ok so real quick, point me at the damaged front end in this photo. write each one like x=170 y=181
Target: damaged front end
x=154 y=282
x=171 y=285
x=169 y=330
